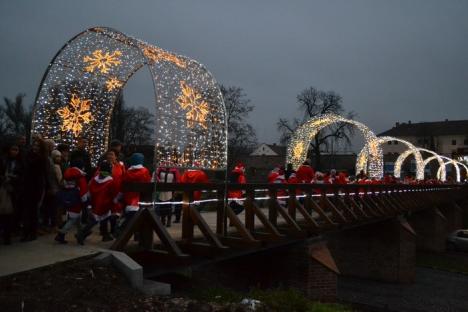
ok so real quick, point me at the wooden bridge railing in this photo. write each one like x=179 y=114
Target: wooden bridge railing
x=274 y=214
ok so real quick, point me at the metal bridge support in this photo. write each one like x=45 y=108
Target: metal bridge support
x=382 y=251
x=431 y=227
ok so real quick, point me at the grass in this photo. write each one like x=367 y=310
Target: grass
x=274 y=300
x=443 y=261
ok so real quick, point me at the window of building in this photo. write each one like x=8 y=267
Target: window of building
x=395 y=142
x=389 y=142
x=454 y=142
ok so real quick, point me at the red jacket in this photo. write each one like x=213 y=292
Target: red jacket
x=194 y=176
x=305 y=174
x=136 y=173
x=241 y=180
x=77 y=177
x=118 y=172
x=102 y=192
x=294 y=180
x=280 y=179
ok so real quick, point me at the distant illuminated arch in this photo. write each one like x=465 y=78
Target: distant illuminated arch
x=465 y=167
x=300 y=141
x=363 y=155
x=82 y=83
x=408 y=152
x=455 y=164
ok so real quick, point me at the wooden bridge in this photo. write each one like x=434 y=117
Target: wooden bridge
x=307 y=211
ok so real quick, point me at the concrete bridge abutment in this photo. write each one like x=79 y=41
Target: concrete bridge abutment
x=383 y=251
x=431 y=227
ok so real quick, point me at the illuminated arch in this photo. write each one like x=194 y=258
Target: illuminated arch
x=80 y=86
x=406 y=153
x=450 y=161
x=465 y=167
x=361 y=164
x=300 y=141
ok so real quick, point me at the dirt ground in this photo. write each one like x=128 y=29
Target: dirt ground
x=85 y=285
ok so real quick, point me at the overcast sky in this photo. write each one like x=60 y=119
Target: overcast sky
x=390 y=60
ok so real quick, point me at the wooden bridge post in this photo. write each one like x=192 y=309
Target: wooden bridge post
x=187 y=223
x=249 y=211
x=221 y=226
x=272 y=211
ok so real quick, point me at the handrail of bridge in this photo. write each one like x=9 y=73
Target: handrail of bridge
x=284 y=212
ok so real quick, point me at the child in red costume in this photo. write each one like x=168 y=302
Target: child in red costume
x=73 y=198
x=102 y=193
x=194 y=176
x=237 y=176
x=305 y=173
x=135 y=173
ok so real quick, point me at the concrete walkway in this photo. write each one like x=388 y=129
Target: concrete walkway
x=45 y=251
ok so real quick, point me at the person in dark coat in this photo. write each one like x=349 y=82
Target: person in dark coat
x=34 y=186
x=12 y=170
x=81 y=155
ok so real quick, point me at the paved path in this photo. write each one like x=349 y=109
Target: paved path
x=45 y=251
x=433 y=291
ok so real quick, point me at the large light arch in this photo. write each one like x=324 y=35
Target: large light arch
x=300 y=141
x=362 y=157
x=406 y=153
x=79 y=88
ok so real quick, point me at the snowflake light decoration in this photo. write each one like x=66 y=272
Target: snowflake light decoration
x=113 y=83
x=102 y=61
x=75 y=115
x=193 y=102
x=157 y=54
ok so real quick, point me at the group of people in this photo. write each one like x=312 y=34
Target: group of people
x=47 y=188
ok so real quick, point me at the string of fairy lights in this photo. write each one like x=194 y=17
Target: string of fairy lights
x=370 y=158
x=81 y=85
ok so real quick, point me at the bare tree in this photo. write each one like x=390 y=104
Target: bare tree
x=312 y=103
x=117 y=126
x=241 y=135
x=15 y=117
x=138 y=126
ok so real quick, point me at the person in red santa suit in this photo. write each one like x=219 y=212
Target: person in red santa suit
x=294 y=180
x=341 y=179
x=277 y=177
x=102 y=192
x=135 y=173
x=274 y=173
x=195 y=176
x=166 y=174
x=305 y=173
x=237 y=176
x=73 y=197
x=118 y=172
